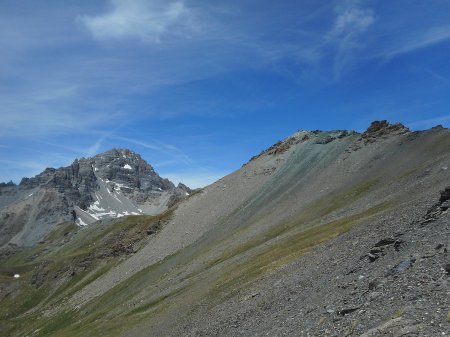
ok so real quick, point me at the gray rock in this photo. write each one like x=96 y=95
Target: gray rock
x=130 y=186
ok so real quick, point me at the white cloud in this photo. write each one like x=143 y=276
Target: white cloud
x=145 y=20
x=351 y=22
x=165 y=149
x=417 y=40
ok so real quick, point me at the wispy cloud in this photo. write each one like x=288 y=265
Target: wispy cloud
x=147 y=20
x=416 y=40
x=94 y=148
x=352 y=21
x=429 y=122
x=166 y=149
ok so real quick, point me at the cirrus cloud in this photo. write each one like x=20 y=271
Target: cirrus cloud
x=145 y=20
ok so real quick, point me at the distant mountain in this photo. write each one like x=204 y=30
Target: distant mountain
x=112 y=184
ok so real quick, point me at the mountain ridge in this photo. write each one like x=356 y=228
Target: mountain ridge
x=333 y=234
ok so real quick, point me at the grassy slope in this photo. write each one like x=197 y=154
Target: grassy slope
x=67 y=259
x=197 y=274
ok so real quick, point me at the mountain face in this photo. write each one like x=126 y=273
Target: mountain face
x=112 y=184
x=334 y=233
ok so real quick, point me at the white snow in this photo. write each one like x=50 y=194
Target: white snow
x=119 y=186
x=95 y=207
x=16 y=275
x=159 y=188
x=187 y=193
x=80 y=222
x=30 y=195
x=128 y=167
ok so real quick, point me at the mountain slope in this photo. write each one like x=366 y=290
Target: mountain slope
x=112 y=184
x=325 y=233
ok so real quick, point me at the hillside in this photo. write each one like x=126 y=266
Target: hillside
x=324 y=234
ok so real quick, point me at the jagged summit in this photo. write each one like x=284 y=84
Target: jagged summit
x=381 y=128
x=111 y=184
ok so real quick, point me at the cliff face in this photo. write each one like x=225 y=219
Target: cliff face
x=112 y=184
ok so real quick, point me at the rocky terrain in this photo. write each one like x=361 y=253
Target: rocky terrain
x=323 y=234
x=112 y=184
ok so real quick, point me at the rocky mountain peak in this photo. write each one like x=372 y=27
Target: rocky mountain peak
x=111 y=184
x=123 y=166
x=382 y=128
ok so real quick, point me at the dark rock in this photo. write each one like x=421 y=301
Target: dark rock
x=347 y=311
x=398 y=244
x=385 y=242
x=8 y=184
x=183 y=187
x=325 y=140
x=447 y=268
x=382 y=128
x=373 y=284
x=372 y=257
x=401 y=267
x=445 y=195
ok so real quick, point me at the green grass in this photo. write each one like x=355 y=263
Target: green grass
x=96 y=241
x=271 y=257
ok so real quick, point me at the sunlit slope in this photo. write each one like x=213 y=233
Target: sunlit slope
x=280 y=205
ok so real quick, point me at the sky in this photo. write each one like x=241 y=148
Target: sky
x=199 y=87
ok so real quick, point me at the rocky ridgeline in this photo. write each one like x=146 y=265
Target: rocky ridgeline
x=377 y=130
x=316 y=136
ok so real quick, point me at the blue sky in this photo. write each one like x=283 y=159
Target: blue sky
x=198 y=87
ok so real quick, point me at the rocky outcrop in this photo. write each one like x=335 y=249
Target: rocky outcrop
x=383 y=128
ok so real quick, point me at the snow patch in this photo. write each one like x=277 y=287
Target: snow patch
x=119 y=186
x=128 y=167
x=30 y=195
x=95 y=207
x=16 y=275
x=80 y=222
